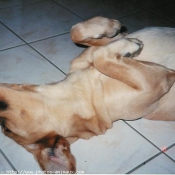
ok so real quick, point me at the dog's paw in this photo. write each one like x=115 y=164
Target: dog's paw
x=53 y=154
x=134 y=48
x=125 y=47
x=97 y=28
x=61 y=157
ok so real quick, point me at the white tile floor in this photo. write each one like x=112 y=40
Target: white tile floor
x=35 y=48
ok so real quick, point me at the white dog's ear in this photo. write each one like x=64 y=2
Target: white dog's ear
x=53 y=154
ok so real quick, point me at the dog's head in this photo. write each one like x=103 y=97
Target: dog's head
x=24 y=118
x=22 y=115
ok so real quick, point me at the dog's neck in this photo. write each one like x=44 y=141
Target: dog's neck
x=73 y=111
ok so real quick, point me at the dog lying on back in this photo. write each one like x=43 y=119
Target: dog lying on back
x=120 y=77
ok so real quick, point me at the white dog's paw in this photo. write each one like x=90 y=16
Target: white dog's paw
x=97 y=28
x=133 y=48
x=126 y=47
x=53 y=154
x=61 y=156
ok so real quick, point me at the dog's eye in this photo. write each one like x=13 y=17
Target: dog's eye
x=5 y=128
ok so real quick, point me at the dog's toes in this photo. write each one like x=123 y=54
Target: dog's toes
x=134 y=48
x=60 y=154
x=62 y=148
x=53 y=154
x=136 y=41
x=129 y=55
x=95 y=28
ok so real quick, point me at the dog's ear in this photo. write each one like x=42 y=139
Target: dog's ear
x=53 y=154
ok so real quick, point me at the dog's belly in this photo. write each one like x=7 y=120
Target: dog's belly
x=159 y=45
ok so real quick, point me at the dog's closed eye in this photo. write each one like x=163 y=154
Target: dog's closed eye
x=5 y=129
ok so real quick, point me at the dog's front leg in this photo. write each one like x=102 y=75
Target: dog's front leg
x=96 y=31
x=53 y=155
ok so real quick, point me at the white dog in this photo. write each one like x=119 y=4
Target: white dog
x=103 y=86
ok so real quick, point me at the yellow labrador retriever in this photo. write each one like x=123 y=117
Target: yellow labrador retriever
x=104 y=85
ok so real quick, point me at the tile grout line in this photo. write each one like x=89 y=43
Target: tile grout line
x=47 y=60
x=34 y=49
x=12 y=47
x=68 y=10
x=153 y=157
x=164 y=152
x=28 y=43
x=148 y=7
x=142 y=10
x=64 y=33
x=134 y=13
x=143 y=163
x=5 y=157
x=141 y=135
x=148 y=139
x=161 y=151
x=149 y=10
x=130 y=14
x=135 y=4
x=20 y=4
